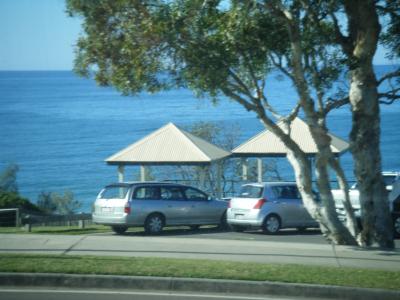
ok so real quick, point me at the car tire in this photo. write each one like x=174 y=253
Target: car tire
x=119 y=229
x=194 y=227
x=301 y=229
x=396 y=225
x=237 y=228
x=271 y=224
x=223 y=223
x=154 y=224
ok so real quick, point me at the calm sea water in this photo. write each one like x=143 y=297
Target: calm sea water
x=59 y=128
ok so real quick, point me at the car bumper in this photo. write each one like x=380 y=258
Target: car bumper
x=109 y=220
x=247 y=223
x=248 y=218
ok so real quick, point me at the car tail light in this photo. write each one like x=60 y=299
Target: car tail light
x=260 y=203
x=127 y=208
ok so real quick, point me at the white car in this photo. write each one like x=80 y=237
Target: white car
x=392 y=181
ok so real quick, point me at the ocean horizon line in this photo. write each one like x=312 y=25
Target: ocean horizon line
x=71 y=70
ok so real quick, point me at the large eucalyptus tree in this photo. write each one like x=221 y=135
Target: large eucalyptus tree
x=228 y=48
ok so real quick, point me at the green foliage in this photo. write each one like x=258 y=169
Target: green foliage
x=46 y=203
x=8 y=179
x=13 y=200
x=202 y=45
x=391 y=34
x=51 y=202
x=9 y=197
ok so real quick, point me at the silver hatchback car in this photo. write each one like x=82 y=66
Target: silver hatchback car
x=155 y=205
x=269 y=206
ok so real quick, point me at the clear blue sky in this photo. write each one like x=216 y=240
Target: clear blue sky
x=38 y=35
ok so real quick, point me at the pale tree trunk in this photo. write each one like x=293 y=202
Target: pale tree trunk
x=327 y=215
x=364 y=31
x=351 y=222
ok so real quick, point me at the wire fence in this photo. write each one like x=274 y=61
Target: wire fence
x=11 y=217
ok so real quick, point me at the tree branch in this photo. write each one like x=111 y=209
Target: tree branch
x=280 y=66
x=334 y=104
x=343 y=40
x=249 y=106
x=391 y=96
x=243 y=87
x=388 y=76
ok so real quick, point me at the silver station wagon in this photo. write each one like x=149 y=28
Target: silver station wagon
x=155 y=205
x=269 y=206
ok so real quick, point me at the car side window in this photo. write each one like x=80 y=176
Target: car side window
x=286 y=192
x=171 y=193
x=195 y=195
x=147 y=193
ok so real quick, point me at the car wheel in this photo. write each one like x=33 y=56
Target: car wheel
x=119 y=229
x=154 y=224
x=194 y=227
x=396 y=225
x=272 y=224
x=223 y=224
x=237 y=228
x=301 y=229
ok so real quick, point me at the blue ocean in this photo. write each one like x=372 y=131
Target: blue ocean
x=59 y=128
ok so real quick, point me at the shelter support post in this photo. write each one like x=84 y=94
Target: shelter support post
x=259 y=170
x=202 y=179
x=143 y=173
x=311 y=164
x=245 y=167
x=219 y=180
x=120 y=173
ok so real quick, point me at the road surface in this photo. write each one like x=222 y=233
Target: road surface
x=73 y=294
x=288 y=247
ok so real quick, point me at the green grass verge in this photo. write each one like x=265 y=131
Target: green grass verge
x=163 y=267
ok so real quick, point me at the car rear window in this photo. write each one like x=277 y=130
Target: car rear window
x=389 y=179
x=250 y=191
x=286 y=192
x=114 y=192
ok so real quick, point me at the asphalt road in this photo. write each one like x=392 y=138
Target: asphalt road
x=287 y=247
x=286 y=235
x=72 y=294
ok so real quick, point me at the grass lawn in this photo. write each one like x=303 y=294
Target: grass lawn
x=164 y=267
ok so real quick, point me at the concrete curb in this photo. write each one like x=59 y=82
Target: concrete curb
x=194 y=285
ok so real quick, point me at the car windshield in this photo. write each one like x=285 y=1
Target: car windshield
x=251 y=191
x=114 y=192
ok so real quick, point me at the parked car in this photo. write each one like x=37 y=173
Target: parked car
x=389 y=178
x=394 y=200
x=155 y=205
x=396 y=216
x=392 y=182
x=269 y=206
